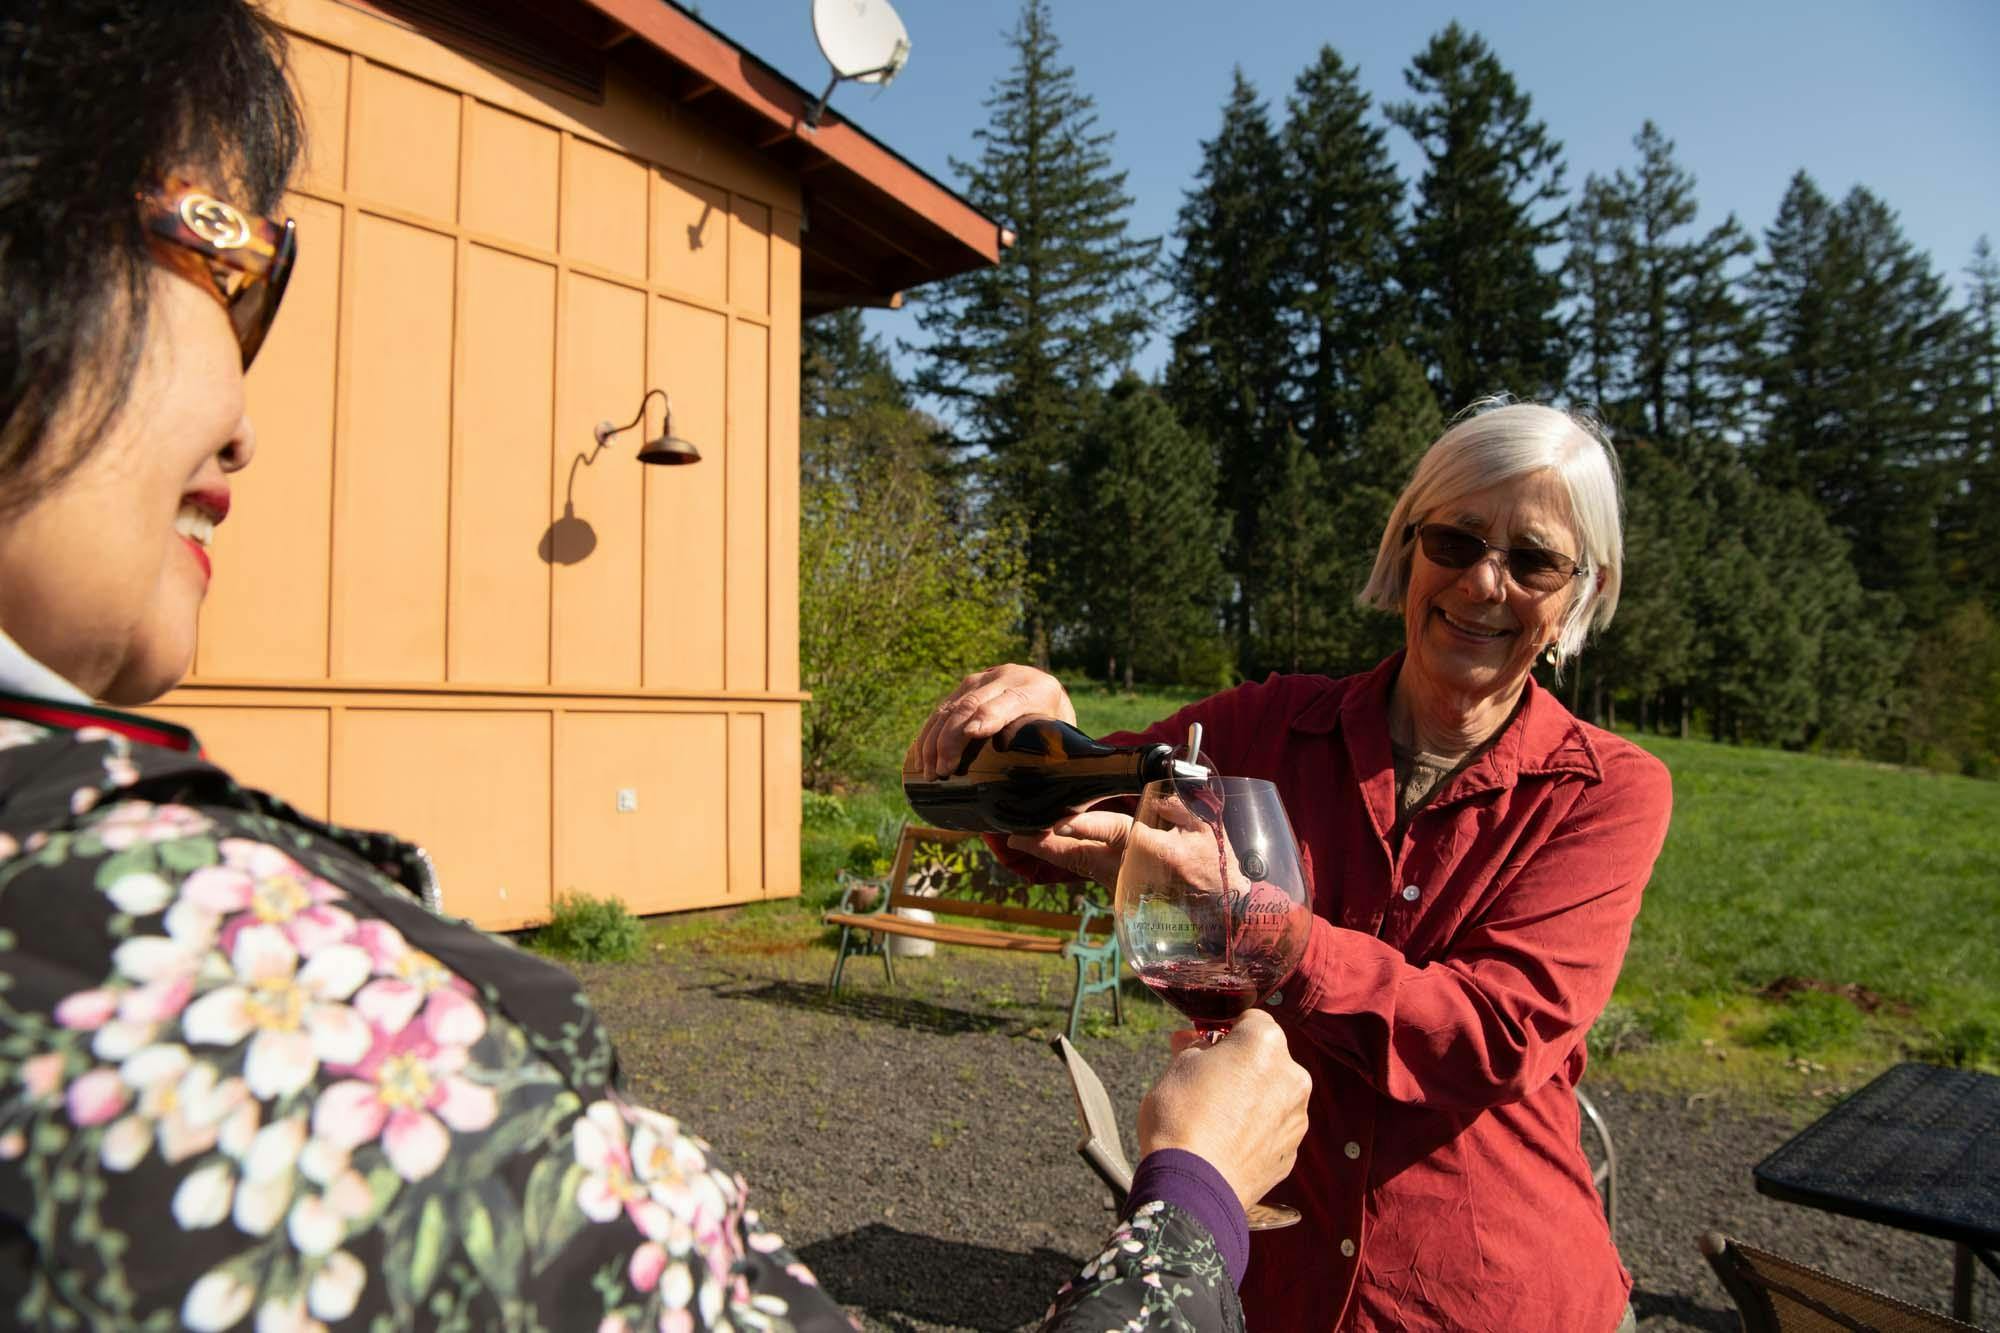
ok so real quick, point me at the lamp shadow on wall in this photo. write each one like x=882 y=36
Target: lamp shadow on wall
x=570 y=540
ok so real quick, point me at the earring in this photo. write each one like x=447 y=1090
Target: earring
x=1553 y=656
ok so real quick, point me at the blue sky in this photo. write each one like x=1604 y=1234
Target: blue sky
x=1902 y=98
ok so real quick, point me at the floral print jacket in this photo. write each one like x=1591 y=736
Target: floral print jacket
x=247 y=1080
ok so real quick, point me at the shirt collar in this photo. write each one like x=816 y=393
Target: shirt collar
x=22 y=674
x=1541 y=738
x=33 y=693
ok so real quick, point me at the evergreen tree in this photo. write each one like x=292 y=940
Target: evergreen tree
x=1490 y=198
x=1660 y=334
x=851 y=401
x=1016 y=350
x=1971 y=528
x=1649 y=649
x=1864 y=381
x=1231 y=350
x=897 y=595
x=1297 y=563
x=1147 y=526
x=1596 y=283
x=1400 y=419
x=1343 y=197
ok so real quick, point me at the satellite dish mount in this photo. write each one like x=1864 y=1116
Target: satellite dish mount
x=862 y=40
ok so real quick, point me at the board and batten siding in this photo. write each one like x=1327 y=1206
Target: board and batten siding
x=487 y=269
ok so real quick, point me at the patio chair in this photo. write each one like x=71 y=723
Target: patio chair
x=1103 y=1150
x=1101 y=1146
x=1605 y=1176
x=1778 y=1295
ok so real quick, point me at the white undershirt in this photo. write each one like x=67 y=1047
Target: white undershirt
x=22 y=674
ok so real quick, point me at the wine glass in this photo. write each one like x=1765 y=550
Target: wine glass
x=1211 y=905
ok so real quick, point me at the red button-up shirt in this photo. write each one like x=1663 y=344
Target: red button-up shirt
x=1441 y=1009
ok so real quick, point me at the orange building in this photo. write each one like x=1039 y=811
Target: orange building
x=429 y=615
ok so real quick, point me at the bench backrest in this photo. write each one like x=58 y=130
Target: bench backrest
x=953 y=873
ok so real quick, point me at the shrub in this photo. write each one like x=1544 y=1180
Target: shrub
x=866 y=858
x=1812 y=1021
x=585 y=929
x=821 y=810
x=1968 y=1042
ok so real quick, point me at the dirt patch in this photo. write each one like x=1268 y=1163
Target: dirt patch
x=1862 y=998
x=917 y=1145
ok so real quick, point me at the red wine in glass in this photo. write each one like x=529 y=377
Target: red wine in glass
x=1212 y=906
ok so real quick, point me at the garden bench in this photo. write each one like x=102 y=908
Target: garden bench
x=954 y=874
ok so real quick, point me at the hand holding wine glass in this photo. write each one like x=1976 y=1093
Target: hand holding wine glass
x=1239 y=1105
x=1212 y=905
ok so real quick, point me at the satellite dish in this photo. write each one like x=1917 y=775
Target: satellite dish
x=862 y=40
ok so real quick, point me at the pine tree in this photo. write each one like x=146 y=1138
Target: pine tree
x=1016 y=350
x=1146 y=525
x=1340 y=257
x=1297 y=562
x=850 y=398
x=897 y=595
x=1649 y=649
x=1864 y=376
x=1490 y=198
x=1399 y=421
x=1659 y=333
x=1231 y=350
x=1971 y=525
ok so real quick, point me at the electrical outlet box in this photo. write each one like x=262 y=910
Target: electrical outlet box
x=628 y=800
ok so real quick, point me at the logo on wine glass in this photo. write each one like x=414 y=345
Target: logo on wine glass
x=1255 y=867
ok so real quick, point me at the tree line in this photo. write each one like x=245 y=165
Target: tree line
x=1806 y=418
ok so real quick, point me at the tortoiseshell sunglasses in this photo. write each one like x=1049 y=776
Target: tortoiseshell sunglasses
x=246 y=260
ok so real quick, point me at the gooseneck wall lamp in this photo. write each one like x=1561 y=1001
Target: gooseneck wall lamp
x=665 y=449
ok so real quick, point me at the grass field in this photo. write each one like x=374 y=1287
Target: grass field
x=1810 y=920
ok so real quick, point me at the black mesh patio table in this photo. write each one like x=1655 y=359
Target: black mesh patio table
x=1917 y=1149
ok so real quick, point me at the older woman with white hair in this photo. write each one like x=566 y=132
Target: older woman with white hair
x=1478 y=858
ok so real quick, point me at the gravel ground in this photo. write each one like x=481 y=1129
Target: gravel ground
x=916 y=1146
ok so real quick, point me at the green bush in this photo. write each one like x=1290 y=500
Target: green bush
x=1811 y=1021
x=1969 y=1042
x=1624 y=1028
x=585 y=929
x=866 y=858
x=821 y=810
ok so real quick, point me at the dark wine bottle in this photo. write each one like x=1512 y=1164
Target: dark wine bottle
x=1036 y=773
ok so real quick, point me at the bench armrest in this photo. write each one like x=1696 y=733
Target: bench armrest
x=851 y=886
x=1088 y=910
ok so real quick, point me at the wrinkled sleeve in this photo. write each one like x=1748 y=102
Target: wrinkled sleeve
x=1496 y=1018
x=1159 y=1270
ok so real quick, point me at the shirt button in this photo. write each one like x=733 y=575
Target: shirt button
x=1275 y=997
x=1347 y=1249
x=1411 y=893
x=1353 y=1150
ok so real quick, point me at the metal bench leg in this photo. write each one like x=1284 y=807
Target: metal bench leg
x=839 y=959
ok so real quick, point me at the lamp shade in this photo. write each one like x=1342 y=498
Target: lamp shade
x=669 y=449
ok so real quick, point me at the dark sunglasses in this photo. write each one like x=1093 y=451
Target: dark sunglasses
x=1533 y=567
x=245 y=259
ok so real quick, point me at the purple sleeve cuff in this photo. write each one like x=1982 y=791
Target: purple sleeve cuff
x=1189 y=1183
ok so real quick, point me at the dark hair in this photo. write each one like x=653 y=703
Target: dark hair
x=100 y=99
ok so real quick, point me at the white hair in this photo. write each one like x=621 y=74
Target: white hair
x=1496 y=441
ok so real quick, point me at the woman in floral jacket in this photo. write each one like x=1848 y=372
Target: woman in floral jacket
x=245 y=1074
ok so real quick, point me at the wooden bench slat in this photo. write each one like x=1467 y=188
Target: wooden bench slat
x=1095 y=952
x=1021 y=916
x=947 y=934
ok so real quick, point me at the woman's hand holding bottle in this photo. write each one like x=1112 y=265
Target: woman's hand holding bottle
x=983 y=703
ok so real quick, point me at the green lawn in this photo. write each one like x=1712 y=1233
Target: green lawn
x=1877 y=888
x=1843 y=874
